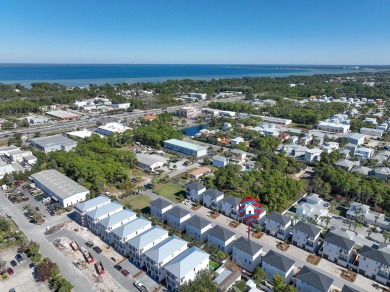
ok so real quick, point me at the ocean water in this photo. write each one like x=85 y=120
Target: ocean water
x=80 y=75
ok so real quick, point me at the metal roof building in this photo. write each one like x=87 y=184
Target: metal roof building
x=53 y=143
x=185 y=147
x=60 y=187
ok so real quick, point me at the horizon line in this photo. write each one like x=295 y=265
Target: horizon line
x=192 y=64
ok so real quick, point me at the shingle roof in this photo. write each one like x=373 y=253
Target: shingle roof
x=339 y=241
x=376 y=255
x=309 y=229
x=279 y=218
x=195 y=186
x=315 y=279
x=212 y=193
x=198 y=222
x=248 y=246
x=160 y=203
x=221 y=233
x=278 y=261
x=234 y=201
x=348 y=289
x=178 y=212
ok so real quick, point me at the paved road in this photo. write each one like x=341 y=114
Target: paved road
x=269 y=243
x=35 y=233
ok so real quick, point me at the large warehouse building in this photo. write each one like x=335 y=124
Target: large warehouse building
x=185 y=148
x=54 y=143
x=61 y=188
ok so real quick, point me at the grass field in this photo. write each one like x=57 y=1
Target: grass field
x=141 y=203
x=170 y=191
x=213 y=265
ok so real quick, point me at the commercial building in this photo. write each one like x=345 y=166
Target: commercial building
x=4 y=169
x=61 y=188
x=37 y=120
x=333 y=127
x=188 y=112
x=150 y=161
x=81 y=134
x=199 y=96
x=18 y=155
x=111 y=128
x=53 y=143
x=63 y=115
x=371 y=132
x=121 y=105
x=274 y=120
x=185 y=148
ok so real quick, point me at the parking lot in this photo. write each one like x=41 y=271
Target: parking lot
x=23 y=277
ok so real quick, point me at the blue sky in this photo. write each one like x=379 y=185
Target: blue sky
x=192 y=32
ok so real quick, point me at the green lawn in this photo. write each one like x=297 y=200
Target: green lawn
x=170 y=191
x=213 y=265
x=141 y=203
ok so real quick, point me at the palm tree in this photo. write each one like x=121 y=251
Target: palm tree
x=371 y=230
x=327 y=221
x=386 y=235
x=322 y=218
x=376 y=218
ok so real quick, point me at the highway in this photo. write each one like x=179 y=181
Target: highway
x=64 y=126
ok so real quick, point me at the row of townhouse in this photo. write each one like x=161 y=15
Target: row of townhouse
x=216 y=200
x=165 y=258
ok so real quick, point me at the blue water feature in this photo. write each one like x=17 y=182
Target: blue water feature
x=191 y=131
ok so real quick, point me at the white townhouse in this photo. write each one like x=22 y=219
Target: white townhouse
x=278 y=225
x=184 y=267
x=309 y=280
x=196 y=228
x=123 y=234
x=306 y=236
x=375 y=263
x=83 y=208
x=212 y=199
x=158 y=256
x=141 y=243
x=106 y=225
x=195 y=192
x=177 y=217
x=274 y=262
x=337 y=249
x=159 y=208
x=221 y=238
x=94 y=216
x=247 y=254
x=230 y=205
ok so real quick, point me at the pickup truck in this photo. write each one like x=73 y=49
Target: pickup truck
x=141 y=287
x=99 y=268
x=88 y=258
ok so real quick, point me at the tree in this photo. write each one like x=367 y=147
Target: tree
x=386 y=235
x=203 y=282
x=44 y=270
x=259 y=275
x=370 y=231
x=37 y=134
x=4 y=225
x=278 y=283
x=355 y=225
x=239 y=286
x=60 y=284
x=327 y=221
x=376 y=218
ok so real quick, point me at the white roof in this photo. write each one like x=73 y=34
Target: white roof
x=114 y=128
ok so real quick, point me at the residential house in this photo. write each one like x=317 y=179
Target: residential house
x=221 y=238
x=121 y=235
x=197 y=173
x=106 y=225
x=362 y=170
x=238 y=155
x=157 y=257
x=95 y=215
x=212 y=199
x=230 y=205
x=318 y=140
x=195 y=191
x=196 y=228
x=246 y=254
x=338 y=249
x=142 y=243
x=369 y=217
x=278 y=225
x=375 y=263
x=83 y=208
x=346 y=164
x=237 y=141
x=176 y=218
x=184 y=267
x=226 y=126
x=364 y=153
x=355 y=138
x=226 y=277
x=220 y=161
x=295 y=150
x=372 y=121
x=283 y=137
x=293 y=139
x=274 y=262
x=306 y=236
x=313 y=155
x=312 y=207
x=309 y=280
x=305 y=140
x=159 y=208
x=381 y=173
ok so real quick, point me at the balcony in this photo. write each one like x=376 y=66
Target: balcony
x=343 y=257
x=281 y=232
x=309 y=243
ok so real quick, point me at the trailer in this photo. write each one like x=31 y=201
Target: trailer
x=74 y=245
x=99 y=268
x=88 y=258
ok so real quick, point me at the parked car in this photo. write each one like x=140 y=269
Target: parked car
x=89 y=243
x=97 y=249
x=141 y=287
x=14 y=263
x=118 y=267
x=19 y=257
x=10 y=271
x=125 y=273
